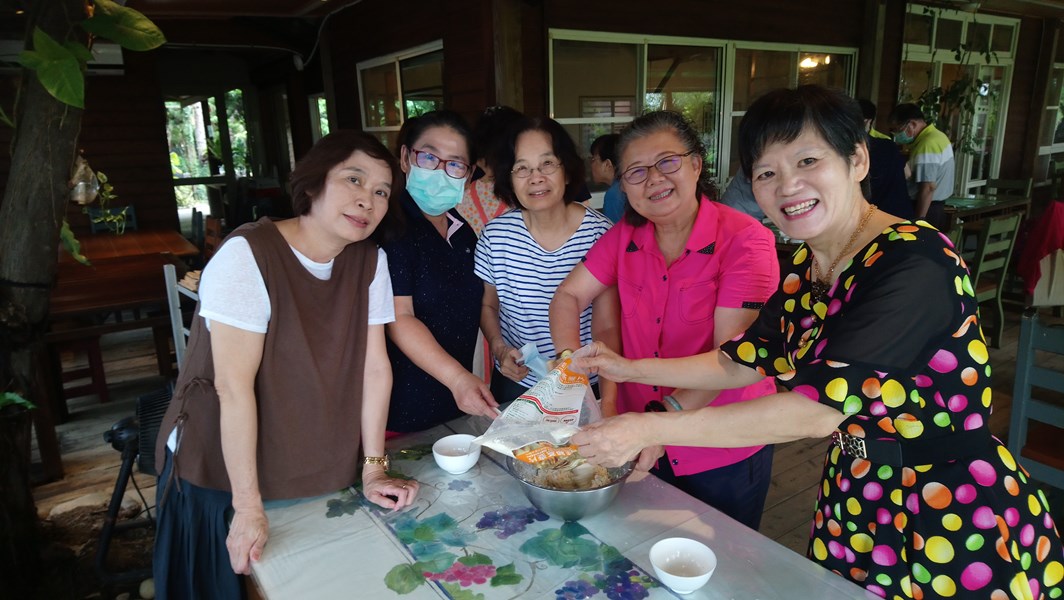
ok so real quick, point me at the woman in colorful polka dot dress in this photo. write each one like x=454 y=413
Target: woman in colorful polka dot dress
x=876 y=323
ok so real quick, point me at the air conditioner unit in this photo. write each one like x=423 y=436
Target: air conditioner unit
x=107 y=57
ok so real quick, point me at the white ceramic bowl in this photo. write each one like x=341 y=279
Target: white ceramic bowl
x=456 y=453
x=683 y=565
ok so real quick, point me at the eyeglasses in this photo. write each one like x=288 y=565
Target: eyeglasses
x=545 y=168
x=668 y=164
x=427 y=160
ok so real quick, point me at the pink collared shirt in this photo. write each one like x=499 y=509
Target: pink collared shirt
x=667 y=310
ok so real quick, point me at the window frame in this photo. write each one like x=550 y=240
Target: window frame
x=911 y=52
x=728 y=49
x=396 y=59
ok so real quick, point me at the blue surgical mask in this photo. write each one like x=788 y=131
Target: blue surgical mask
x=435 y=192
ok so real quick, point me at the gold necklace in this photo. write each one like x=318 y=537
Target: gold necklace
x=820 y=285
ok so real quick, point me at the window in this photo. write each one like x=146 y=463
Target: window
x=319 y=116
x=968 y=56
x=208 y=140
x=1051 y=137
x=399 y=86
x=600 y=81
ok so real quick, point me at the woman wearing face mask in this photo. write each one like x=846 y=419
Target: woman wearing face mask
x=437 y=295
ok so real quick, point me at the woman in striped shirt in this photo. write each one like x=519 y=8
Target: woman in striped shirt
x=524 y=254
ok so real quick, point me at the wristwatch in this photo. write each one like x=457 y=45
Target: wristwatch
x=378 y=460
x=655 y=406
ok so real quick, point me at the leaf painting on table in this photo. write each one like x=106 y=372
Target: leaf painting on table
x=460 y=560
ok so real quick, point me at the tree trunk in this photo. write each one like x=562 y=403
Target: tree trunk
x=34 y=202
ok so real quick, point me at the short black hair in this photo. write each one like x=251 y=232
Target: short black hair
x=651 y=123
x=562 y=146
x=605 y=147
x=868 y=109
x=490 y=130
x=781 y=115
x=903 y=113
x=414 y=128
x=307 y=179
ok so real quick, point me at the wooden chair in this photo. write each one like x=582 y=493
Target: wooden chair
x=1009 y=187
x=174 y=292
x=212 y=236
x=1037 y=423
x=989 y=263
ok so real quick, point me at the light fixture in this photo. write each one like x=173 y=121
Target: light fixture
x=808 y=63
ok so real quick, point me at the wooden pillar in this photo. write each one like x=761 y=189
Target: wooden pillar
x=506 y=42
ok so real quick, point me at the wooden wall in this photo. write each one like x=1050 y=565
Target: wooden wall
x=373 y=29
x=123 y=134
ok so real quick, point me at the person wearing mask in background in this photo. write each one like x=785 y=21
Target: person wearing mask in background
x=604 y=170
x=524 y=254
x=437 y=294
x=868 y=109
x=930 y=162
x=479 y=204
x=887 y=188
x=691 y=274
x=286 y=373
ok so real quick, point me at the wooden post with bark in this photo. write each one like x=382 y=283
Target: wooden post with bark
x=31 y=214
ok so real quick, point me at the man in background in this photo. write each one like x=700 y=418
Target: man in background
x=930 y=160
x=887 y=187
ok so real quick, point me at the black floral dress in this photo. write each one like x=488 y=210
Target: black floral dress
x=896 y=347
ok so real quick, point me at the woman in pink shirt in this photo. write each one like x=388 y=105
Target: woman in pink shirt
x=691 y=274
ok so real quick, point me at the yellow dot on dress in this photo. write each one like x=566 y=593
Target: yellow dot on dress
x=861 y=542
x=944 y=586
x=892 y=393
x=746 y=352
x=977 y=350
x=837 y=389
x=820 y=551
x=1054 y=573
x=1006 y=458
x=938 y=549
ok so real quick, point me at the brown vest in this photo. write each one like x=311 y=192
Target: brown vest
x=309 y=385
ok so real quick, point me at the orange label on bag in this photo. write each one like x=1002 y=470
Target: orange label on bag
x=544 y=454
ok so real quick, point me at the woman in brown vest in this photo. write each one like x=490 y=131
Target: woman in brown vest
x=287 y=372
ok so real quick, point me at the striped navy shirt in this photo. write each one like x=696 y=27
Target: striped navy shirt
x=525 y=277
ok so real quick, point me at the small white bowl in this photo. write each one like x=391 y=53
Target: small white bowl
x=456 y=453
x=683 y=565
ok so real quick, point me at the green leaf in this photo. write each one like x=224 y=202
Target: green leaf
x=6 y=120
x=457 y=593
x=506 y=575
x=124 y=26
x=557 y=549
x=572 y=529
x=79 y=50
x=437 y=563
x=72 y=245
x=403 y=579
x=15 y=399
x=58 y=70
x=475 y=559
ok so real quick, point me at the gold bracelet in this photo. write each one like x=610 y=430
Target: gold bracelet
x=564 y=354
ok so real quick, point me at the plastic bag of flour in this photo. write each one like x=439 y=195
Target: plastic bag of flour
x=536 y=427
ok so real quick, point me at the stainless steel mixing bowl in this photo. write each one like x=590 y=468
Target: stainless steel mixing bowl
x=568 y=505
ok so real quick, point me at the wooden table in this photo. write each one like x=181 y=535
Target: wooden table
x=340 y=546
x=126 y=273
x=976 y=208
x=131 y=243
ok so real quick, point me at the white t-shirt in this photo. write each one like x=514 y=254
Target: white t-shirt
x=232 y=290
